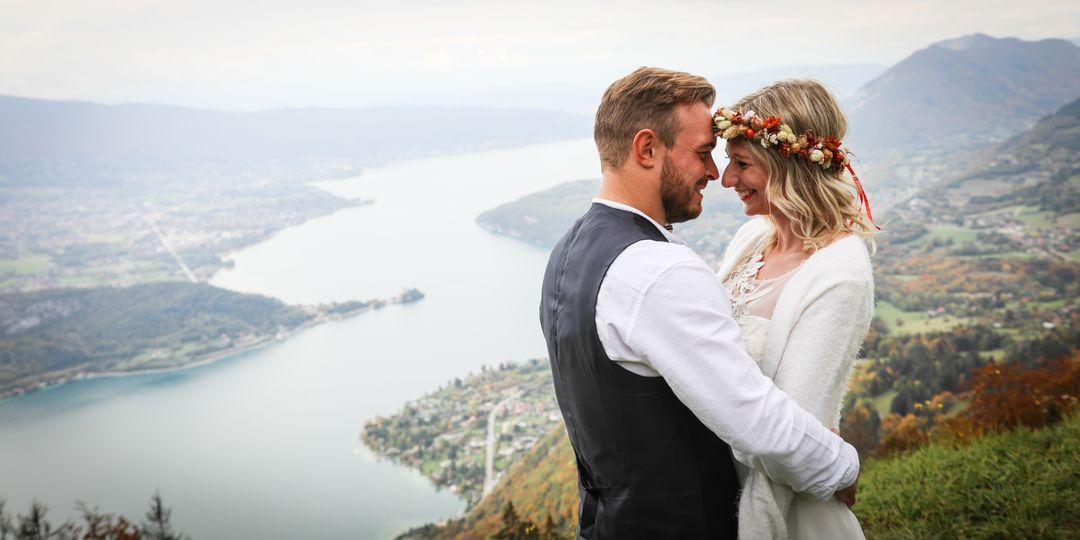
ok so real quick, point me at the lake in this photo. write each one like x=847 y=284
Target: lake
x=265 y=444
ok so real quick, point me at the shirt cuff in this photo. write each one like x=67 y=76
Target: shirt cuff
x=850 y=455
x=850 y=458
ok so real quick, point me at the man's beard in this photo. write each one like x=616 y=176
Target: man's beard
x=677 y=194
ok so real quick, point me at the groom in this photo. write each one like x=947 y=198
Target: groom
x=649 y=368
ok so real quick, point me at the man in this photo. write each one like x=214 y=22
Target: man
x=649 y=368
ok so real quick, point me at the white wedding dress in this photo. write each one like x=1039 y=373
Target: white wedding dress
x=752 y=304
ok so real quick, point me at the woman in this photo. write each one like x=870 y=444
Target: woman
x=799 y=277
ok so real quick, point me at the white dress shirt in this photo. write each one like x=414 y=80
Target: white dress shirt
x=662 y=312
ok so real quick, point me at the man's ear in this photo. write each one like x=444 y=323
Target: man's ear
x=646 y=149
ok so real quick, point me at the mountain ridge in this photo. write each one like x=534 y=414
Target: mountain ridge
x=79 y=135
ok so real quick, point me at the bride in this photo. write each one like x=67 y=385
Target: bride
x=799 y=277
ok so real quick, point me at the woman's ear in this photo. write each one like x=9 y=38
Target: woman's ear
x=646 y=149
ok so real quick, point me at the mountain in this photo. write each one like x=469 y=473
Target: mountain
x=970 y=90
x=40 y=134
x=842 y=79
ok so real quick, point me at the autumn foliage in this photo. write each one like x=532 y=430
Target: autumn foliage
x=1001 y=397
x=1007 y=396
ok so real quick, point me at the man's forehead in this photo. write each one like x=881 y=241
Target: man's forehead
x=695 y=124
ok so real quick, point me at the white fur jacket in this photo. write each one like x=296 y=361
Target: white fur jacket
x=814 y=336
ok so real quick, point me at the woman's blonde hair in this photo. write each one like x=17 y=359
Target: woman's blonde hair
x=821 y=205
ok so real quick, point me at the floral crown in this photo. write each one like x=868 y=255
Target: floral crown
x=770 y=132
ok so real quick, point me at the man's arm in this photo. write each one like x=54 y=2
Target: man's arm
x=684 y=330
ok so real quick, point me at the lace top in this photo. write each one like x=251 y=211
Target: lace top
x=752 y=296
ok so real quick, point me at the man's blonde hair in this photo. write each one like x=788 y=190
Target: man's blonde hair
x=644 y=99
x=821 y=205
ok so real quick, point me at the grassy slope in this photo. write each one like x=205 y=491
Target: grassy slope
x=1024 y=484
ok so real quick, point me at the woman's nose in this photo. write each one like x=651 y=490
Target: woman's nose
x=729 y=178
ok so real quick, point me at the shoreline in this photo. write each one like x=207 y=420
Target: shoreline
x=322 y=316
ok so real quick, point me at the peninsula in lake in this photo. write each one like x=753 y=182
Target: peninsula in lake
x=54 y=336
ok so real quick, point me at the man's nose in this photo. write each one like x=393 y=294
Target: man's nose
x=712 y=172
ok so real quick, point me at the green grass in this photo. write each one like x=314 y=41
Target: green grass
x=915 y=322
x=961 y=193
x=1071 y=221
x=1024 y=484
x=883 y=402
x=958 y=234
x=1032 y=217
x=29 y=264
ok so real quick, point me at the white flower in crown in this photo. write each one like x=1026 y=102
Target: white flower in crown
x=816 y=156
x=723 y=124
x=774 y=138
x=749 y=114
x=764 y=142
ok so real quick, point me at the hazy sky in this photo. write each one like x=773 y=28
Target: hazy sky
x=247 y=55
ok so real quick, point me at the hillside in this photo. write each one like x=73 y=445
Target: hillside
x=542 y=218
x=1011 y=222
x=979 y=268
x=51 y=336
x=1024 y=484
x=979 y=472
x=542 y=483
x=445 y=434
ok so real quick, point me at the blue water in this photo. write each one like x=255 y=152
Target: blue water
x=265 y=444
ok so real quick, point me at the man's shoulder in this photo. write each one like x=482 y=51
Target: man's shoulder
x=647 y=260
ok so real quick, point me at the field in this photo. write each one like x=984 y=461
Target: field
x=26 y=265
x=913 y=322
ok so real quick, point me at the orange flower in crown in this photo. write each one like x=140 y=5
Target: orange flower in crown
x=771 y=132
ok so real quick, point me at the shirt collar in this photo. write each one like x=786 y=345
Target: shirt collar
x=669 y=235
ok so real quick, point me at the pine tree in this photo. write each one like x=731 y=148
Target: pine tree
x=35 y=526
x=101 y=526
x=516 y=528
x=7 y=526
x=511 y=523
x=156 y=526
x=550 y=530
